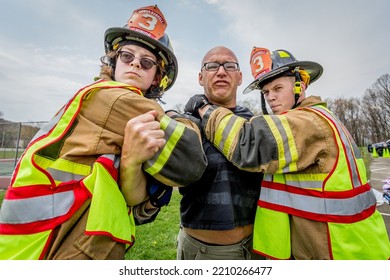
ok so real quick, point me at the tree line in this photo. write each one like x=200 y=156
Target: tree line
x=366 y=118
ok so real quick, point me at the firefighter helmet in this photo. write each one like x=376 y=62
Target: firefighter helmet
x=146 y=27
x=266 y=65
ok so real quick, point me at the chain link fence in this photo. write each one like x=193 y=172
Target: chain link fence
x=14 y=138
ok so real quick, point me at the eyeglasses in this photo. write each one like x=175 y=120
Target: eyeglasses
x=128 y=57
x=214 y=66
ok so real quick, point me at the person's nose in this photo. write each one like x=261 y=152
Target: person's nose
x=271 y=96
x=221 y=71
x=136 y=62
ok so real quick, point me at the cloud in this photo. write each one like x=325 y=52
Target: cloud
x=34 y=78
x=343 y=37
x=49 y=49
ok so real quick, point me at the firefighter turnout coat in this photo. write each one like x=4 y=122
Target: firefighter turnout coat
x=74 y=161
x=314 y=172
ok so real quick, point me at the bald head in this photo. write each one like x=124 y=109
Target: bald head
x=219 y=50
x=220 y=83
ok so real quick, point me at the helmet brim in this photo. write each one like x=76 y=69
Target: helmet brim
x=312 y=68
x=152 y=44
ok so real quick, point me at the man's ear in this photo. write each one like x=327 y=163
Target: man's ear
x=200 y=79
x=240 y=82
x=303 y=92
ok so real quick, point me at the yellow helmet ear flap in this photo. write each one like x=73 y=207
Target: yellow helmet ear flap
x=305 y=77
x=164 y=82
x=300 y=76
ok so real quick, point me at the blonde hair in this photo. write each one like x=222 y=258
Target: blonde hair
x=107 y=66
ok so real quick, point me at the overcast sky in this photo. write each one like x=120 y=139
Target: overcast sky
x=51 y=48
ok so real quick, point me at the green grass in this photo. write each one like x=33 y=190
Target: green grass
x=157 y=240
x=367 y=159
x=2 y=193
x=10 y=154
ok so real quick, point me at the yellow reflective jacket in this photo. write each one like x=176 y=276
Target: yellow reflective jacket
x=75 y=158
x=313 y=170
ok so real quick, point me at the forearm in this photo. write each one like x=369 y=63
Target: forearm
x=249 y=145
x=269 y=143
x=181 y=161
x=133 y=183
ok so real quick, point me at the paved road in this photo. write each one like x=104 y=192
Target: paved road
x=6 y=168
x=380 y=170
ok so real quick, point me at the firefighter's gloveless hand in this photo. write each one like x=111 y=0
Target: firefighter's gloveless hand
x=143 y=137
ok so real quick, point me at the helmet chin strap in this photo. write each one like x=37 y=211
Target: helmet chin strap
x=297 y=86
x=263 y=106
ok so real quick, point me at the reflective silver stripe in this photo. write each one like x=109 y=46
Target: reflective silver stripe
x=318 y=205
x=109 y=156
x=117 y=161
x=305 y=184
x=64 y=176
x=49 y=126
x=348 y=143
x=19 y=211
x=113 y=157
x=283 y=134
x=297 y=182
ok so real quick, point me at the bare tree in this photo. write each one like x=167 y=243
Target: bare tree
x=349 y=113
x=376 y=109
x=253 y=104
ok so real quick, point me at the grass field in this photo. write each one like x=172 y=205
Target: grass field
x=1 y=196
x=9 y=153
x=157 y=240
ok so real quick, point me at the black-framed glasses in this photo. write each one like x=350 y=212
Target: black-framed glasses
x=214 y=66
x=128 y=57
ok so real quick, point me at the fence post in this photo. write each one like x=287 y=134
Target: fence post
x=2 y=144
x=17 y=145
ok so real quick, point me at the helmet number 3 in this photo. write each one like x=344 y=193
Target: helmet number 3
x=258 y=60
x=150 y=22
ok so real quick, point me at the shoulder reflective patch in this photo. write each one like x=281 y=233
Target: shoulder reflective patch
x=227 y=131
x=287 y=150
x=173 y=132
